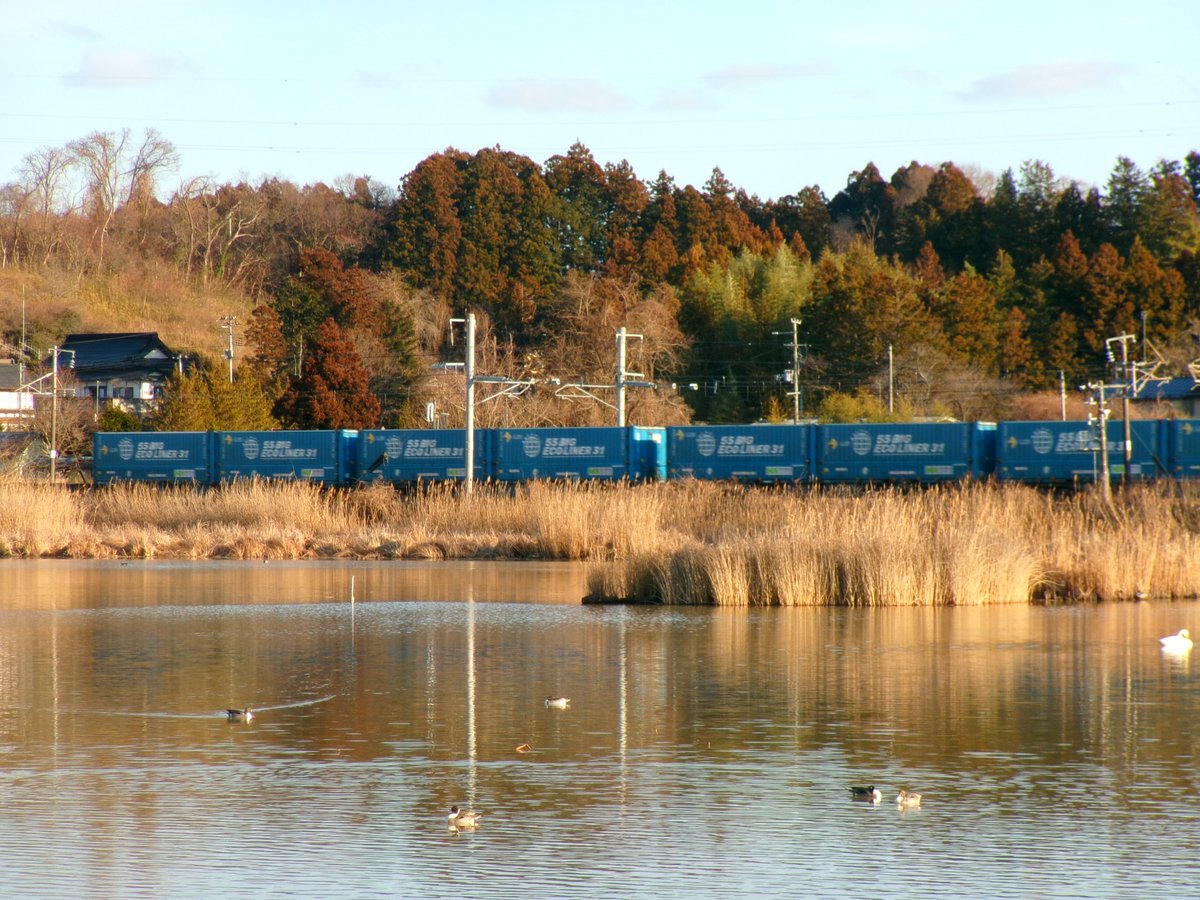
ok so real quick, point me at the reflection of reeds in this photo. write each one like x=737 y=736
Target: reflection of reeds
x=680 y=542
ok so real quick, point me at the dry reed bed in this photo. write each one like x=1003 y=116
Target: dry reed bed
x=675 y=543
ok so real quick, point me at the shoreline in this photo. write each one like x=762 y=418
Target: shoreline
x=668 y=543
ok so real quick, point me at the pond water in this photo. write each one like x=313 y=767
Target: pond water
x=704 y=753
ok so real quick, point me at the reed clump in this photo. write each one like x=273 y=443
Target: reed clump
x=684 y=542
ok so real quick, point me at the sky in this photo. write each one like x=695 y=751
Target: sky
x=778 y=95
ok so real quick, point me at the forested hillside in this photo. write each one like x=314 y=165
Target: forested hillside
x=978 y=289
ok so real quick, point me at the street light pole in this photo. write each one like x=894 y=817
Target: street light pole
x=54 y=417
x=469 y=369
x=469 y=429
x=795 y=371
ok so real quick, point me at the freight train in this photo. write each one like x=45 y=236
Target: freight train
x=1046 y=453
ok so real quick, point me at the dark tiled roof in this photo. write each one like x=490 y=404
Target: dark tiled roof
x=112 y=355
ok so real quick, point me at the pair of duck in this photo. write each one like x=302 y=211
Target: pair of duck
x=872 y=794
x=239 y=715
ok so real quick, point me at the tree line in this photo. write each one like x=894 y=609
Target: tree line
x=961 y=291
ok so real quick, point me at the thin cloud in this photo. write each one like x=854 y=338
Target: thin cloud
x=120 y=68
x=679 y=99
x=1048 y=80
x=752 y=74
x=547 y=95
x=73 y=30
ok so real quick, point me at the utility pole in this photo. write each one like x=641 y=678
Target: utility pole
x=1062 y=395
x=1100 y=420
x=578 y=390
x=508 y=386
x=469 y=424
x=621 y=339
x=891 y=382
x=624 y=376
x=54 y=409
x=795 y=391
x=468 y=365
x=1127 y=378
x=227 y=323
x=54 y=415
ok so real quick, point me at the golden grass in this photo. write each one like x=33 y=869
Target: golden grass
x=674 y=543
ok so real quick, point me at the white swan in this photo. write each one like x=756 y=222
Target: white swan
x=1177 y=643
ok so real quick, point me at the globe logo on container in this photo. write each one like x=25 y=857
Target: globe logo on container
x=1042 y=440
x=706 y=444
x=860 y=442
x=532 y=444
x=250 y=448
x=125 y=449
x=394 y=446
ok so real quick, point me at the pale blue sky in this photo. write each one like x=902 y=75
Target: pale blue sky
x=779 y=95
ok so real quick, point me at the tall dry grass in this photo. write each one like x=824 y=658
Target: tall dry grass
x=39 y=520
x=675 y=543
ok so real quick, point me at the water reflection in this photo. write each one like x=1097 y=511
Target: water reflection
x=704 y=752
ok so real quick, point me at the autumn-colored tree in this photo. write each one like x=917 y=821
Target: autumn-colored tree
x=970 y=320
x=1108 y=310
x=804 y=214
x=426 y=230
x=628 y=198
x=333 y=390
x=269 y=359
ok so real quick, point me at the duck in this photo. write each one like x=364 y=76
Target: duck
x=1180 y=642
x=908 y=798
x=240 y=715
x=868 y=794
x=558 y=702
x=463 y=818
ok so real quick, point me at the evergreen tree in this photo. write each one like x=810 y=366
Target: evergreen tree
x=1127 y=189
x=333 y=389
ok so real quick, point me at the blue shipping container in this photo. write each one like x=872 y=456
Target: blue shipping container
x=1183 y=441
x=573 y=453
x=325 y=456
x=403 y=455
x=920 y=451
x=1062 y=452
x=159 y=456
x=741 y=452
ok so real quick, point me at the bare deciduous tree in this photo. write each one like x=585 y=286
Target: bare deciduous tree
x=112 y=178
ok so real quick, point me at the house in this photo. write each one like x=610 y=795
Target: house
x=16 y=406
x=1183 y=394
x=128 y=367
